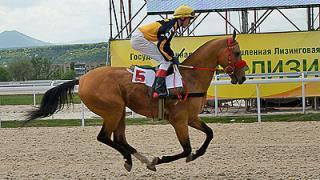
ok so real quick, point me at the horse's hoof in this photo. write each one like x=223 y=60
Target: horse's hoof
x=152 y=165
x=189 y=158
x=155 y=161
x=128 y=166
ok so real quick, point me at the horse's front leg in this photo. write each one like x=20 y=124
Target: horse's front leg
x=120 y=138
x=181 y=129
x=198 y=124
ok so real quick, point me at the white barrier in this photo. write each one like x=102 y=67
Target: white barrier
x=302 y=78
x=40 y=87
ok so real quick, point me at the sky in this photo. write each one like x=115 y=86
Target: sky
x=86 y=21
x=56 y=21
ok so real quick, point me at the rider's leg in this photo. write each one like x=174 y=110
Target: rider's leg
x=159 y=85
x=150 y=49
x=147 y=48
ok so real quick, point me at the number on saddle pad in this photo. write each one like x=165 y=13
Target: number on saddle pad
x=147 y=76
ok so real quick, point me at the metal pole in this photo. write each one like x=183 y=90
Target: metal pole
x=244 y=18
x=194 y=28
x=34 y=99
x=121 y=15
x=82 y=114
x=258 y=102
x=129 y=23
x=130 y=15
x=260 y=20
x=115 y=16
x=303 y=95
x=226 y=14
x=229 y=22
x=110 y=18
x=215 y=97
x=289 y=20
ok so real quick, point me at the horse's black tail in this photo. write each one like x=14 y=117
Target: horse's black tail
x=53 y=100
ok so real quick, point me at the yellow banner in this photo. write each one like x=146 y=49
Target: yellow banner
x=264 y=53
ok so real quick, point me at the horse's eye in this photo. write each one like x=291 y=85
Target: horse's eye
x=237 y=54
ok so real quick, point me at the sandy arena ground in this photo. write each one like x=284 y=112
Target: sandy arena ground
x=238 y=151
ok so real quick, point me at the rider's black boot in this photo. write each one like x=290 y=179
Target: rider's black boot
x=159 y=85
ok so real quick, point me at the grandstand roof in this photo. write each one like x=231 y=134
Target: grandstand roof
x=168 y=6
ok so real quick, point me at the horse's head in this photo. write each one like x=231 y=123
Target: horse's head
x=230 y=59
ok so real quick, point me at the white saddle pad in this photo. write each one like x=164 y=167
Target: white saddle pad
x=147 y=76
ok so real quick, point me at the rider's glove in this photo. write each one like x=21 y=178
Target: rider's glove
x=175 y=60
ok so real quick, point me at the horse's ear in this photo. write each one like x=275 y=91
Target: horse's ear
x=234 y=35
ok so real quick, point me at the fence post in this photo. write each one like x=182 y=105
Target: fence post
x=34 y=99
x=82 y=114
x=258 y=102
x=133 y=114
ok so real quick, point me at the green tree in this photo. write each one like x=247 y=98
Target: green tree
x=4 y=75
x=41 y=68
x=70 y=74
x=21 y=70
x=56 y=74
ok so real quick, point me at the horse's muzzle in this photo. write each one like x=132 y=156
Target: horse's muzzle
x=236 y=80
x=242 y=80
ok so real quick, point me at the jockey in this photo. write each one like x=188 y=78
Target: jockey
x=161 y=32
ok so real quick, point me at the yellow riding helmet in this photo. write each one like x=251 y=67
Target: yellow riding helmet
x=183 y=11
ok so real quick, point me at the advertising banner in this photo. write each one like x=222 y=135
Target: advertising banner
x=264 y=53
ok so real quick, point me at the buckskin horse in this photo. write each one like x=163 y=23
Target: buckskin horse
x=107 y=91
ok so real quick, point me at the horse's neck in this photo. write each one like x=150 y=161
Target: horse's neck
x=205 y=57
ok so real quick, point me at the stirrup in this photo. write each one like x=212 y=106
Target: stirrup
x=159 y=88
x=157 y=95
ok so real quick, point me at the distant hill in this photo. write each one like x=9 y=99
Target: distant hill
x=15 y=39
x=59 y=53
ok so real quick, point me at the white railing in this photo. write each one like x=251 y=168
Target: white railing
x=301 y=77
x=40 y=87
x=28 y=87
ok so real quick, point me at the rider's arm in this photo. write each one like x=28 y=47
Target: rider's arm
x=165 y=34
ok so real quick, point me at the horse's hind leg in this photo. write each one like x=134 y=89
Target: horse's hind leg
x=105 y=137
x=198 y=124
x=120 y=138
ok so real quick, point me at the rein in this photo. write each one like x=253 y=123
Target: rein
x=231 y=65
x=183 y=97
x=198 y=68
x=176 y=70
x=229 y=69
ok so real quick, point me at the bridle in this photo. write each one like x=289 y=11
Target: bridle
x=233 y=63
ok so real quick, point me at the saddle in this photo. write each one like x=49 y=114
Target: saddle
x=146 y=75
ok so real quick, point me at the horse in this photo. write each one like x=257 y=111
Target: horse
x=107 y=91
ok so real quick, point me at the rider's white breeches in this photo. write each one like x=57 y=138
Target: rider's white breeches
x=148 y=48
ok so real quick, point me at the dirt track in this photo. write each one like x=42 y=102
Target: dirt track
x=239 y=151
